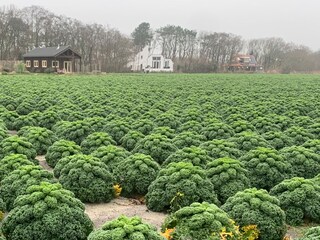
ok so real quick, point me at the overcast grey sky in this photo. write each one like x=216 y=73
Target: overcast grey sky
x=294 y=20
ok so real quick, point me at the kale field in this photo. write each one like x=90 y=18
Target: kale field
x=232 y=157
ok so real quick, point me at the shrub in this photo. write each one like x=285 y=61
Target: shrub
x=96 y=140
x=242 y=126
x=117 y=129
x=178 y=185
x=199 y=221
x=130 y=140
x=41 y=138
x=266 y=167
x=111 y=155
x=313 y=145
x=145 y=126
x=299 y=135
x=87 y=177
x=228 y=176
x=136 y=173
x=221 y=148
x=61 y=149
x=126 y=228
x=217 y=130
x=47 y=211
x=16 y=183
x=299 y=198
x=257 y=207
x=159 y=147
x=188 y=139
x=277 y=140
x=305 y=163
x=12 y=162
x=247 y=141
x=311 y=234
x=17 y=145
x=195 y=155
x=74 y=131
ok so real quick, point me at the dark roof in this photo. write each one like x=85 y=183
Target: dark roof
x=48 y=51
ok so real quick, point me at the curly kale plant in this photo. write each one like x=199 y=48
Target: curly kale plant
x=313 y=145
x=167 y=120
x=16 y=183
x=117 y=129
x=41 y=138
x=311 y=234
x=3 y=133
x=126 y=228
x=190 y=126
x=48 y=119
x=265 y=124
x=199 y=221
x=299 y=135
x=96 y=140
x=111 y=155
x=277 y=140
x=228 y=177
x=130 y=140
x=61 y=149
x=165 y=131
x=299 y=198
x=217 y=130
x=47 y=211
x=266 y=167
x=136 y=173
x=145 y=126
x=257 y=207
x=17 y=145
x=159 y=147
x=305 y=163
x=247 y=141
x=12 y=162
x=242 y=126
x=221 y=148
x=188 y=139
x=87 y=177
x=178 y=185
x=10 y=118
x=197 y=156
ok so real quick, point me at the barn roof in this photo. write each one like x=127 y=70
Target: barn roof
x=48 y=51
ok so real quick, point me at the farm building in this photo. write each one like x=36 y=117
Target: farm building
x=57 y=59
x=243 y=63
x=150 y=59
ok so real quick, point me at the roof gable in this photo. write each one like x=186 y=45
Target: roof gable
x=47 y=52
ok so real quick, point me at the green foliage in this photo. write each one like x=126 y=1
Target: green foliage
x=165 y=131
x=159 y=147
x=61 y=149
x=228 y=176
x=130 y=140
x=242 y=126
x=48 y=119
x=117 y=129
x=111 y=155
x=314 y=129
x=3 y=133
x=87 y=177
x=247 y=141
x=313 y=145
x=16 y=183
x=182 y=182
x=265 y=124
x=277 y=140
x=199 y=221
x=299 y=198
x=311 y=234
x=217 y=130
x=9 y=118
x=266 y=167
x=17 y=145
x=126 y=228
x=188 y=139
x=190 y=126
x=221 y=148
x=96 y=140
x=47 y=211
x=299 y=135
x=41 y=138
x=145 y=126
x=305 y=163
x=136 y=173
x=257 y=207
x=167 y=120
x=195 y=155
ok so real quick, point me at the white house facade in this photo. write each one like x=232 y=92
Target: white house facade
x=151 y=60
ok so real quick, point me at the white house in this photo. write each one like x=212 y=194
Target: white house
x=151 y=60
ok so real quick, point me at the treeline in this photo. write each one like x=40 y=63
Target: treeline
x=108 y=50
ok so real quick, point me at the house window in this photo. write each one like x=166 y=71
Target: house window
x=166 y=64
x=55 y=64
x=156 y=62
x=44 y=63
x=36 y=63
x=28 y=63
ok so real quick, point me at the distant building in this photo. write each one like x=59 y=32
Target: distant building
x=59 y=59
x=150 y=59
x=244 y=63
